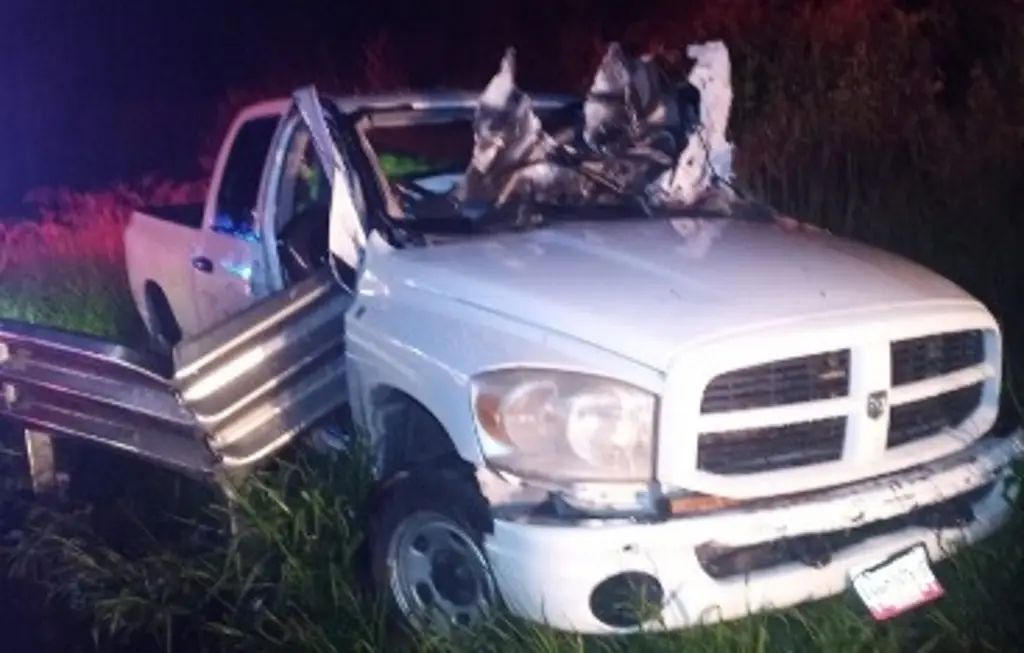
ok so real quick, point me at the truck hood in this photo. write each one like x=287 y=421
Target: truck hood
x=645 y=288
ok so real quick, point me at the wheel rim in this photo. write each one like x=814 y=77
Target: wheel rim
x=330 y=438
x=439 y=577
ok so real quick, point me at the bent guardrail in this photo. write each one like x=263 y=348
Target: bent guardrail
x=256 y=381
x=241 y=391
x=76 y=385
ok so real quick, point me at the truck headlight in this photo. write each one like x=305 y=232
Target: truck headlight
x=565 y=426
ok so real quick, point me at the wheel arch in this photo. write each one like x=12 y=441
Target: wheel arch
x=159 y=317
x=409 y=436
x=413 y=447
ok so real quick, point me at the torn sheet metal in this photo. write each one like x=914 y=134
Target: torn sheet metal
x=708 y=153
x=639 y=137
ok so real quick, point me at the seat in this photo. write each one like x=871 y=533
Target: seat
x=302 y=243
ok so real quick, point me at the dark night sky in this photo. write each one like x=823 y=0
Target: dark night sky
x=81 y=77
x=102 y=90
x=131 y=50
x=75 y=70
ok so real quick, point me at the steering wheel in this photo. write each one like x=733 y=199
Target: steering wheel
x=417 y=198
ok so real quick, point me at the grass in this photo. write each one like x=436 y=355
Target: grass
x=64 y=266
x=289 y=582
x=846 y=113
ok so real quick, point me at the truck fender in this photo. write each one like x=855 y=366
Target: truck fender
x=412 y=449
x=406 y=435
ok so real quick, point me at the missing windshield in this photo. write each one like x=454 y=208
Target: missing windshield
x=637 y=146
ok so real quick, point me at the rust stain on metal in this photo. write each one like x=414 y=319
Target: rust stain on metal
x=700 y=503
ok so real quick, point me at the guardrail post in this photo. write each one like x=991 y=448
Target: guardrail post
x=230 y=482
x=42 y=464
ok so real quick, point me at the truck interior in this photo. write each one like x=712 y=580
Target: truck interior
x=303 y=210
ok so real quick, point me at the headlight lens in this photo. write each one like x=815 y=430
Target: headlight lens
x=565 y=426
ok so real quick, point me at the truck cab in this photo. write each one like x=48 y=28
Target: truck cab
x=215 y=259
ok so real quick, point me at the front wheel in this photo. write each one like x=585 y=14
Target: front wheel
x=429 y=559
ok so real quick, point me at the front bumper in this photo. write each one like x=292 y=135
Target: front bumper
x=547 y=573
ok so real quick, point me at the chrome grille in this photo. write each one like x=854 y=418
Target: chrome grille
x=924 y=418
x=750 y=451
x=803 y=428
x=779 y=383
x=917 y=359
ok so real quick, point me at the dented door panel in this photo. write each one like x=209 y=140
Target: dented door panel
x=263 y=376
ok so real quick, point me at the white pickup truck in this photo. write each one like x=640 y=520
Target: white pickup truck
x=711 y=415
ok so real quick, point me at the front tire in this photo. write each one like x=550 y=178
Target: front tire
x=428 y=558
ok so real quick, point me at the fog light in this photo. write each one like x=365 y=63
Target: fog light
x=627 y=600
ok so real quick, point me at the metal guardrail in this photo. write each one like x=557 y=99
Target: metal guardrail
x=85 y=387
x=242 y=390
x=268 y=373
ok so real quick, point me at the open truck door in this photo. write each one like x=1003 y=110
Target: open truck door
x=347 y=228
x=234 y=394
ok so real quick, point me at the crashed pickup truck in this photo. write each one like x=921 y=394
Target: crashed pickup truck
x=575 y=405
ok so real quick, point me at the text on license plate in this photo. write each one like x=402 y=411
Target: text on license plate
x=898 y=584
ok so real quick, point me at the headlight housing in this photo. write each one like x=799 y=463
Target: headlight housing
x=565 y=426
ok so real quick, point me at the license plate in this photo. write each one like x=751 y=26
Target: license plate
x=897 y=585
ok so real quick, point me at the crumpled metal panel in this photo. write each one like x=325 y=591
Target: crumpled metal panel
x=640 y=137
x=242 y=389
x=267 y=374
